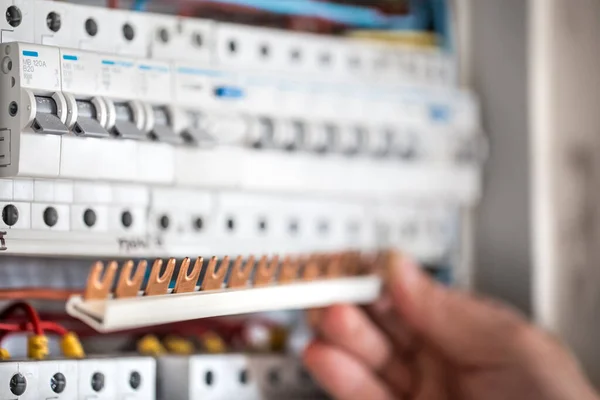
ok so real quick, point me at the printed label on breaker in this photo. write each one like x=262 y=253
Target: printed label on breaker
x=128 y=244
x=154 y=82
x=194 y=85
x=80 y=72
x=118 y=77
x=40 y=68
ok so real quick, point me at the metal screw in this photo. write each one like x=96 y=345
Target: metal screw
x=13 y=108
x=163 y=35
x=135 y=380
x=58 y=382
x=126 y=219
x=244 y=376
x=197 y=39
x=89 y=217
x=18 y=384
x=164 y=222
x=50 y=216
x=91 y=27
x=198 y=223
x=10 y=215
x=14 y=16
x=209 y=378
x=53 y=21
x=128 y=32
x=98 y=381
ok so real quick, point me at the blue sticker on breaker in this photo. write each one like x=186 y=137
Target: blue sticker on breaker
x=126 y=64
x=440 y=113
x=229 y=92
x=197 y=71
x=70 y=57
x=30 y=53
x=158 y=68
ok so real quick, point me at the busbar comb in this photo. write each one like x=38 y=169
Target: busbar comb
x=222 y=287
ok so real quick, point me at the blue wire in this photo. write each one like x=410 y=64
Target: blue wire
x=140 y=5
x=424 y=13
x=349 y=15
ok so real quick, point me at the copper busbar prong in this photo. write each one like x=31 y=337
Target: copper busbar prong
x=128 y=285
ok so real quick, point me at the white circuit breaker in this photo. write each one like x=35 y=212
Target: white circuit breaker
x=234 y=376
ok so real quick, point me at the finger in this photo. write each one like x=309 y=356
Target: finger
x=385 y=316
x=313 y=316
x=400 y=376
x=432 y=383
x=466 y=331
x=350 y=329
x=341 y=375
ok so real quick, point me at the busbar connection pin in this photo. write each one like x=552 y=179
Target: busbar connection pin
x=97 y=289
x=214 y=280
x=289 y=270
x=333 y=267
x=311 y=269
x=159 y=284
x=265 y=271
x=186 y=280
x=129 y=286
x=241 y=274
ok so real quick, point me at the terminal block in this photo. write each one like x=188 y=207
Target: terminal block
x=103 y=378
x=234 y=376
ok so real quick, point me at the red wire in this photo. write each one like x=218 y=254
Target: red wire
x=53 y=327
x=113 y=3
x=37 y=294
x=10 y=327
x=32 y=315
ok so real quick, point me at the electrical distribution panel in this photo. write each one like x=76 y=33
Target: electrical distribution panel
x=136 y=135
x=177 y=134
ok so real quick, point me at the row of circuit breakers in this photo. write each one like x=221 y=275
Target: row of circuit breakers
x=208 y=377
x=133 y=133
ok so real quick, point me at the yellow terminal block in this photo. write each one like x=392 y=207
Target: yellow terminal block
x=71 y=346
x=177 y=345
x=37 y=347
x=279 y=338
x=213 y=343
x=4 y=354
x=149 y=345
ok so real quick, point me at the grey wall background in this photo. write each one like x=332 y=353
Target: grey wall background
x=499 y=75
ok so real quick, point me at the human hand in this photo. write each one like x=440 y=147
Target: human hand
x=426 y=342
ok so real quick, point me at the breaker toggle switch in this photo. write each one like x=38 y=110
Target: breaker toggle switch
x=195 y=132
x=88 y=119
x=48 y=113
x=265 y=132
x=261 y=132
x=379 y=142
x=162 y=129
x=406 y=144
x=322 y=138
x=129 y=122
x=351 y=140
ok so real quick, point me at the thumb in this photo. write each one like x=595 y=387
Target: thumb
x=467 y=331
